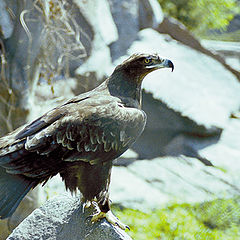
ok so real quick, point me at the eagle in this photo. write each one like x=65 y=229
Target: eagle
x=79 y=140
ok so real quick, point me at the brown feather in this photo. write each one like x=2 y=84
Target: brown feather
x=78 y=139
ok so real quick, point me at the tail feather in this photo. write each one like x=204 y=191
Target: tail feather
x=13 y=188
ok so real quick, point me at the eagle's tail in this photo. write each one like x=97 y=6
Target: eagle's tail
x=13 y=188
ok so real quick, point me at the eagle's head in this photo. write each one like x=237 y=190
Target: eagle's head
x=127 y=77
x=138 y=66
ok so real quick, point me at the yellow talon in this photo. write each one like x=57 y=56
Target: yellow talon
x=110 y=218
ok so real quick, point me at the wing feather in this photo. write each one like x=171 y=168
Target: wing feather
x=79 y=131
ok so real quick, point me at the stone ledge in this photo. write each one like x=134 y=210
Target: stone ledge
x=62 y=218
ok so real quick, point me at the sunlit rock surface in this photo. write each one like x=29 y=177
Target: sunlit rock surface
x=125 y=16
x=102 y=24
x=188 y=114
x=153 y=184
x=230 y=51
x=181 y=179
x=200 y=87
x=150 y=14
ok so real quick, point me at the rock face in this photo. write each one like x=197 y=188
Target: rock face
x=168 y=180
x=234 y=24
x=200 y=87
x=168 y=133
x=180 y=33
x=188 y=114
x=63 y=218
x=186 y=109
x=150 y=14
x=125 y=15
x=6 y=24
x=230 y=51
x=104 y=33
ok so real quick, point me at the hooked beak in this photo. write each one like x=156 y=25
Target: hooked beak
x=168 y=64
x=162 y=63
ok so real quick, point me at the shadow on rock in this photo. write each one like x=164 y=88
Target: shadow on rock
x=168 y=133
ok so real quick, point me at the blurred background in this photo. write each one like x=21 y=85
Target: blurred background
x=181 y=179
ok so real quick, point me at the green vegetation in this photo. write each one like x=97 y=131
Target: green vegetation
x=230 y=36
x=201 y=15
x=215 y=220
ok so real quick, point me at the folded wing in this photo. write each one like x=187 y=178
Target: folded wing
x=89 y=130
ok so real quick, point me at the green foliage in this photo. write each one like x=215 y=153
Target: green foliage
x=216 y=220
x=232 y=36
x=201 y=15
x=221 y=214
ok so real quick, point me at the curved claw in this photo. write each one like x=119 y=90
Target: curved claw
x=110 y=218
x=85 y=205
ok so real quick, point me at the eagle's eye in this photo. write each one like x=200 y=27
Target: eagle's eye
x=147 y=60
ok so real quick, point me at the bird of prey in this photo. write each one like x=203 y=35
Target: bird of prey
x=79 y=140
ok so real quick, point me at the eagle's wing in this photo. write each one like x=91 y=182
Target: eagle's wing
x=90 y=130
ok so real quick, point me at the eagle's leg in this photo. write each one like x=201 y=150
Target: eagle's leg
x=103 y=211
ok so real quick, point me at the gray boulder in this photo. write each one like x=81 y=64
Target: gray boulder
x=234 y=24
x=150 y=14
x=130 y=17
x=145 y=184
x=6 y=24
x=199 y=87
x=105 y=32
x=63 y=218
x=126 y=18
x=179 y=32
x=187 y=109
x=188 y=114
x=229 y=50
x=168 y=133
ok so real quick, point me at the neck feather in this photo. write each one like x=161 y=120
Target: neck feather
x=125 y=87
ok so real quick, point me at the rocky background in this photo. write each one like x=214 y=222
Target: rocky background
x=190 y=149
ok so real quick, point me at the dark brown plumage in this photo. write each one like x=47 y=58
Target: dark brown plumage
x=78 y=139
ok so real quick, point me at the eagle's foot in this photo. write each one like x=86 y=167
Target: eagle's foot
x=115 y=221
x=97 y=216
x=110 y=218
